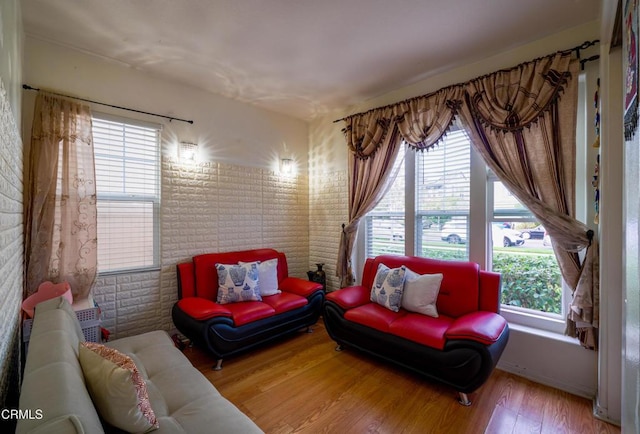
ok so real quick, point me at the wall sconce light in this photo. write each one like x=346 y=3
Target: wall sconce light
x=286 y=166
x=187 y=151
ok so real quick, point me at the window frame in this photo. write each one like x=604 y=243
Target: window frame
x=547 y=321
x=121 y=198
x=479 y=246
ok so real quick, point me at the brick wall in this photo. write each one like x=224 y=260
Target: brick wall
x=328 y=210
x=208 y=207
x=11 y=247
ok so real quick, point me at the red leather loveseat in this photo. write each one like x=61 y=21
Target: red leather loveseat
x=227 y=327
x=460 y=347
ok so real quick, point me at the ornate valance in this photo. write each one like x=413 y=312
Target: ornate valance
x=424 y=120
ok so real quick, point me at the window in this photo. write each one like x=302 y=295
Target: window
x=127 y=156
x=443 y=198
x=385 y=224
x=445 y=209
x=521 y=251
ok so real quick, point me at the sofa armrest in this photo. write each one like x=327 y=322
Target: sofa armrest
x=490 y=283
x=350 y=297
x=481 y=326
x=202 y=309
x=299 y=286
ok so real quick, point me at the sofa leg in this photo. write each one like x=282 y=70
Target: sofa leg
x=463 y=399
x=339 y=348
x=218 y=366
x=309 y=329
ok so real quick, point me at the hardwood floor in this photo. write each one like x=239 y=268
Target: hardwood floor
x=302 y=385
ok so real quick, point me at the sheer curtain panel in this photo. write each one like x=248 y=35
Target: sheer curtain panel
x=60 y=197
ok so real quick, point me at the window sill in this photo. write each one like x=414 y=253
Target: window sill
x=129 y=271
x=559 y=337
x=535 y=321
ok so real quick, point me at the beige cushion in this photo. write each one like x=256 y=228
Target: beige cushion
x=421 y=293
x=116 y=387
x=268 y=276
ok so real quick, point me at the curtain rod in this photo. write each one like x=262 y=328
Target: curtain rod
x=577 y=49
x=171 y=118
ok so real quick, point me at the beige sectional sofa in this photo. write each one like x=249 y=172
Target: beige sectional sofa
x=183 y=400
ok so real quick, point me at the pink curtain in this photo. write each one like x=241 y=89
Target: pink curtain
x=60 y=197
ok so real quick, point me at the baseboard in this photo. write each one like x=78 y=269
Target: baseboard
x=574 y=389
x=603 y=414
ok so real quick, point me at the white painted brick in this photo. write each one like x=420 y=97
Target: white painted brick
x=11 y=245
x=210 y=208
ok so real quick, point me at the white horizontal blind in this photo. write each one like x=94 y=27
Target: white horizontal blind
x=385 y=223
x=127 y=157
x=444 y=196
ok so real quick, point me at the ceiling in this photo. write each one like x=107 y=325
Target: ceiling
x=299 y=57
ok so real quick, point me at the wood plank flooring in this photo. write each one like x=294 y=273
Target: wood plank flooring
x=302 y=385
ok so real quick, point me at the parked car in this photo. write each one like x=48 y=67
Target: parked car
x=393 y=228
x=536 y=233
x=505 y=237
x=454 y=232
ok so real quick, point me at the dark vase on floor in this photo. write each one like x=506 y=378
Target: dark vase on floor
x=318 y=276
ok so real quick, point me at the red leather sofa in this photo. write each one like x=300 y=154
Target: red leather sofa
x=227 y=329
x=459 y=348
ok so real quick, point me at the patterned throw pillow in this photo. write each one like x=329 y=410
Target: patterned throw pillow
x=388 y=286
x=421 y=292
x=238 y=282
x=116 y=387
x=268 y=276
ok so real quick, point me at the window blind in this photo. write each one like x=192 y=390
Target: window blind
x=385 y=223
x=127 y=155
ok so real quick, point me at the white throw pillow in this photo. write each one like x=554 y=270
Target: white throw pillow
x=268 y=276
x=388 y=286
x=238 y=283
x=421 y=292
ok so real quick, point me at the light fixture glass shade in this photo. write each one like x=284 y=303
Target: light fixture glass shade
x=187 y=151
x=286 y=166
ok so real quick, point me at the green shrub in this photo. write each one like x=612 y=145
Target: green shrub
x=530 y=281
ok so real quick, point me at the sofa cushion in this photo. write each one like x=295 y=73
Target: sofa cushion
x=388 y=286
x=184 y=400
x=249 y=311
x=421 y=292
x=459 y=290
x=268 y=276
x=284 y=302
x=117 y=388
x=374 y=316
x=52 y=380
x=422 y=329
x=204 y=268
x=202 y=309
x=238 y=282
